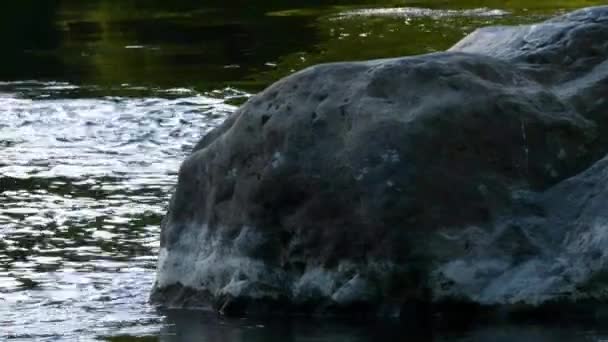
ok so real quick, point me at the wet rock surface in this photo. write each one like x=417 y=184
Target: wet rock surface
x=375 y=186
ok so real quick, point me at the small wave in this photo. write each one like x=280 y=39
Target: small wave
x=61 y=87
x=416 y=12
x=179 y=91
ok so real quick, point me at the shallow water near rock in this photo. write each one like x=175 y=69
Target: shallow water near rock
x=101 y=101
x=84 y=184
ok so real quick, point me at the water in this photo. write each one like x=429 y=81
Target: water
x=85 y=182
x=100 y=101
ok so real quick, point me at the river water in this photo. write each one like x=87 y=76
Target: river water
x=100 y=101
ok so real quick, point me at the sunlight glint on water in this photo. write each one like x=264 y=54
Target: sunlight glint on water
x=84 y=183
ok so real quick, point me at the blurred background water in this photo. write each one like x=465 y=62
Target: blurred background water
x=100 y=100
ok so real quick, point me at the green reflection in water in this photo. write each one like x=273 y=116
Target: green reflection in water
x=212 y=44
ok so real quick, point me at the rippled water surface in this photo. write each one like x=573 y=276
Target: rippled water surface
x=84 y=184
x=101 y=100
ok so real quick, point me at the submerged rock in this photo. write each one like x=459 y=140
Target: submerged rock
x=373 y=186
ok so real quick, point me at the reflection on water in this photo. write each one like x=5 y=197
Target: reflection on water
x=209 y=44
x=123 y=89
x=205 y=327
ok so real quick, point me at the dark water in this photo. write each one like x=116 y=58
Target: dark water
x=101 y=100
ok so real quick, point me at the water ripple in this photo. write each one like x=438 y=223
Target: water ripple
x=83 y=185
x=416 y=12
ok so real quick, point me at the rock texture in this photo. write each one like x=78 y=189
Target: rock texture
x=466 y=175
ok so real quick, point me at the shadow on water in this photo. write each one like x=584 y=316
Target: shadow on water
x=184 y=325
x=148 y=43
x=26 y=28
x=211 y=44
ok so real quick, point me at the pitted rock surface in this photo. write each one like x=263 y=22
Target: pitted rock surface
x=373 y=184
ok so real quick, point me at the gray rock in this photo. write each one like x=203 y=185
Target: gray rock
x=370 y=185
x=556 y=252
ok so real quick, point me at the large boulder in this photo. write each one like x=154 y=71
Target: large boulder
x=378 y=184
